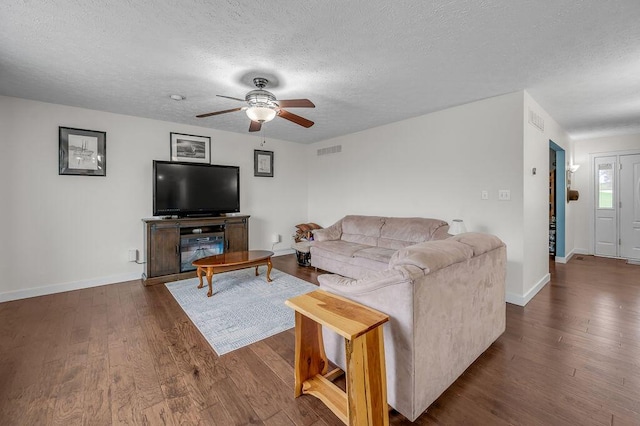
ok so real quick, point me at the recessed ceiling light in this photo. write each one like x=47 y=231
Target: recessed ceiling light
x=177 y=97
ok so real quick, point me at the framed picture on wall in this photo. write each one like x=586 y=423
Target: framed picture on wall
x=190 y=148
x=82 y=152
x=262 y=163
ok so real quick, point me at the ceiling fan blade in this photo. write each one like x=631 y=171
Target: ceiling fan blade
x=295 y=118
x=255 y=126
x=295 y=103
x=218 y=112
x=230 y=97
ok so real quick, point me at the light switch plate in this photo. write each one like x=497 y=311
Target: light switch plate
x=484 y=195
x=504 y=194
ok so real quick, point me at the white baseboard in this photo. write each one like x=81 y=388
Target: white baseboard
x=571 y=254
x=565 y=259
x=59 y=288
x=283 y=252
x=77 y=285
x=520 y=300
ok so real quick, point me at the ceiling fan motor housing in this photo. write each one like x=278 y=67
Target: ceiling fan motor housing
x=261 y=98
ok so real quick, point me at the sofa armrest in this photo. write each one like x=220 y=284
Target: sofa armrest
x=371 y=283
x=333 y=232
x=431 y=256
x=435 y=255
x=478 y=242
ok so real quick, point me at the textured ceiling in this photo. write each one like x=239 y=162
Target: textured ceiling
x=363 y=63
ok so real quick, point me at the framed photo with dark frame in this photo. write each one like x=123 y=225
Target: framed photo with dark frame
x=190 y=148
x=262 y=163
x=82 y=152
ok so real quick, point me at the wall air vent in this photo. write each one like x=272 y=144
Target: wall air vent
x=536 y=121
x=330 y=150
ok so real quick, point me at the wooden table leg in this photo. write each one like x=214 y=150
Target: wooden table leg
x=199 y=272
x=366 y=379
x=310 y=358
x=209 y=279
x=257 y=270
x=269 y=266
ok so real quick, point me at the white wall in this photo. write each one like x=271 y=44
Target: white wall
x=64 y=232
x=436 y=166
x=536 y=198
x=581 y=213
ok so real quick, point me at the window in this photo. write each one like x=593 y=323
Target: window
x=605 y=186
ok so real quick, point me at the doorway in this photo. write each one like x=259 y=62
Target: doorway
x=557 y=200
x=616 y=228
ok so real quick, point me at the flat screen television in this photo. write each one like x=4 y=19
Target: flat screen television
x=193 y=189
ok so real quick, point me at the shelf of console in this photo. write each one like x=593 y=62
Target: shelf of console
x=147 y=281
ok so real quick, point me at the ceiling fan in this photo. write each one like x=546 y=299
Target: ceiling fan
x=263 y=107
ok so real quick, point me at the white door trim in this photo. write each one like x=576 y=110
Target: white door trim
x=591 y=191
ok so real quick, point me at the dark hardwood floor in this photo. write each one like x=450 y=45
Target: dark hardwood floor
x=126 y=354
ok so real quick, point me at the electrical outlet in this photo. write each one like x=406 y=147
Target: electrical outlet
x=504 y=194
x=133 y=255
x=484 y=195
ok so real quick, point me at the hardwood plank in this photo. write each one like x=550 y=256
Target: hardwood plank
x=124 y=405
x=217 y=415
x=158 y=414
x=180 y=404
x=279 y=419
x=148 y=389
x=98 y=336
x=70 y=392
x=235 y=404
x=42 y=397
x=97 y=401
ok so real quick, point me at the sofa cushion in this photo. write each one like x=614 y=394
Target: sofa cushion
x=378 y=254
x=353 y=267
x=401 y=232
x=362 y=229
x=339 y=248
x=432 y=255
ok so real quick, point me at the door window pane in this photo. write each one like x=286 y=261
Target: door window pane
x=605 y=186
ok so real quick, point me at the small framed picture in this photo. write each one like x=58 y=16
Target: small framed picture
x=262 y=163
x=82 y=152
x=190 y=148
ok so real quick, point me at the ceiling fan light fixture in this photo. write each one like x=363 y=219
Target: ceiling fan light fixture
x=261 y=114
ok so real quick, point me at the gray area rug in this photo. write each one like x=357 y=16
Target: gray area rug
x=243 y=309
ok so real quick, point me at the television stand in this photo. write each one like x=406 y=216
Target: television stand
x=170 y=243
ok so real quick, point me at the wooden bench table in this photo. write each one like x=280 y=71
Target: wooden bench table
x=365 y=401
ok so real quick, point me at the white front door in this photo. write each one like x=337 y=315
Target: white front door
x=606 y=214
x=630 y=206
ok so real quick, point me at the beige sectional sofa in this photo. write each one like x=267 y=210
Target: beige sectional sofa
x=445 y=298
x=357 y=245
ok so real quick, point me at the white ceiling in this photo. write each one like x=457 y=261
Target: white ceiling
x=363 y=63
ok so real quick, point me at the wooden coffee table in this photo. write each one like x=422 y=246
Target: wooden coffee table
x=231 y=262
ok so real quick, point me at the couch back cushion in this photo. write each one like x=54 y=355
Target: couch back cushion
x=401 y=232
x=362 y=229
